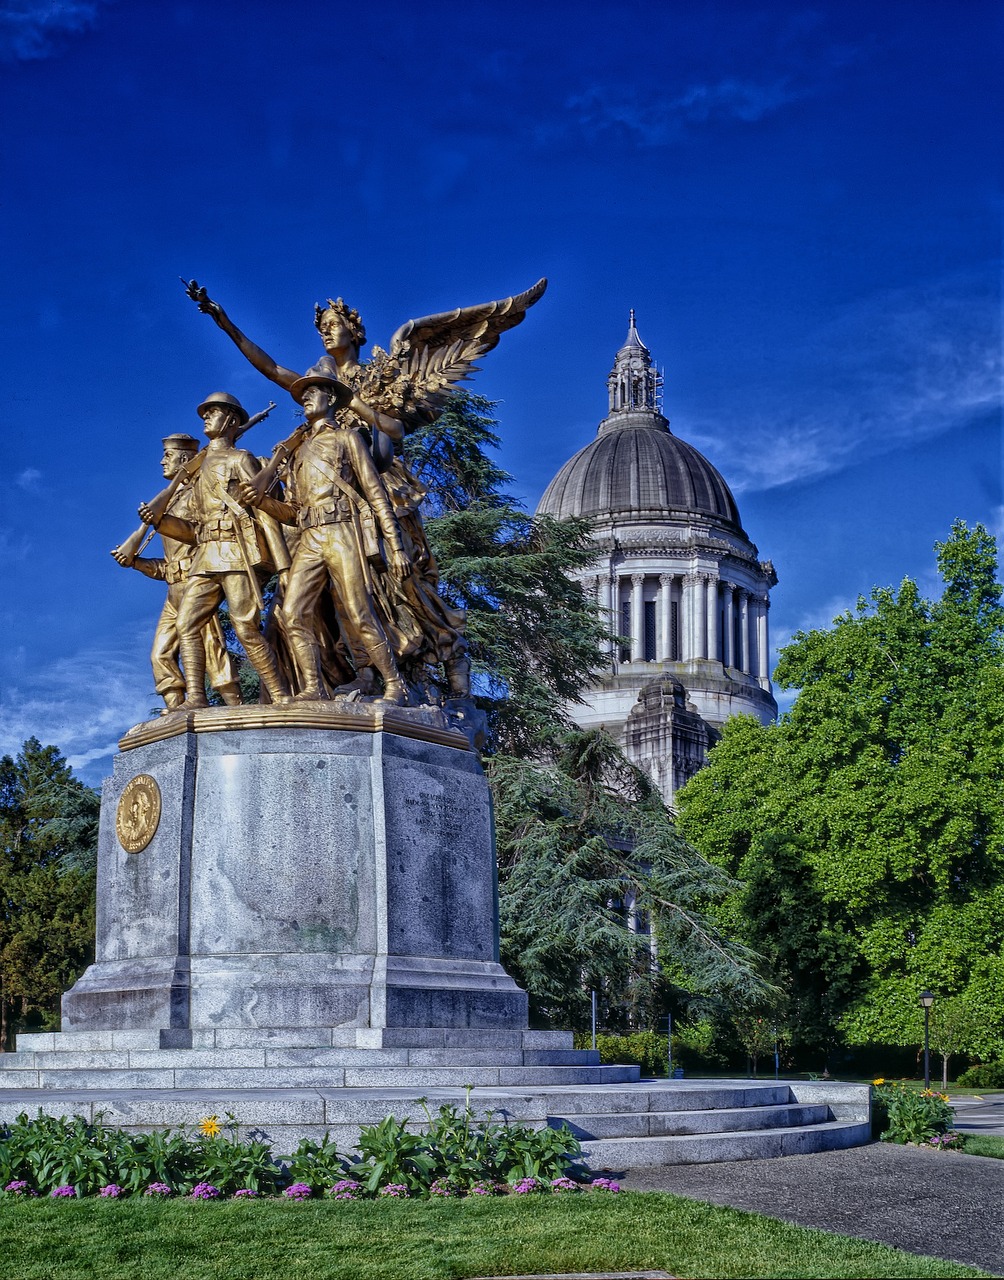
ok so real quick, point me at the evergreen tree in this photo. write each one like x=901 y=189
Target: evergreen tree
x=48 y=850
x=534 y=637
x=599 y=891
x=868 y=824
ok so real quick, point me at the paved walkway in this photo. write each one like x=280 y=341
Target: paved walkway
x=942 y=1203
x=983 y=1115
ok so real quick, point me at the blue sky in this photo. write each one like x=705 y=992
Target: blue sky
x=803 y=203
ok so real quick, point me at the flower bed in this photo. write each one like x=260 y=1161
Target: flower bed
x=455 y=1155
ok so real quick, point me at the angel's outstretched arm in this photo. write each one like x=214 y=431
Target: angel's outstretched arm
x=261 y=360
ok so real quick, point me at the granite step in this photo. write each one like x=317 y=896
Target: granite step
x=740 y=1144
x=205 y=1038
x=625 y=1124
x=112 y=1075
x=644 y=1124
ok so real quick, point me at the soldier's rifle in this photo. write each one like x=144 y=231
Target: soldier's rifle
x=138 y=540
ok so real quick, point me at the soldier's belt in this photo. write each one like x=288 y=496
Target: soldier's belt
x=177 y=570
x=324 y=513
x=216 y=531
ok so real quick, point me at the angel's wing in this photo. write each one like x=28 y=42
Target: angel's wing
x=433 y=353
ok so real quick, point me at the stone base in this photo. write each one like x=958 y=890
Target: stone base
x=300 y=878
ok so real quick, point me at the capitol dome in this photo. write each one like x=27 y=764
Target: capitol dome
x=639 y=470
x=676 y=577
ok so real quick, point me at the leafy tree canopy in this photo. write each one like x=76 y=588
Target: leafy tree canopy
x=868 y=823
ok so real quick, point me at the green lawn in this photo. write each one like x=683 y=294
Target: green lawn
x=984 y=1145
x=432 y=1240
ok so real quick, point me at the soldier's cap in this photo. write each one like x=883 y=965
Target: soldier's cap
x=342 y=393
x=179 y=440
x=227 y=401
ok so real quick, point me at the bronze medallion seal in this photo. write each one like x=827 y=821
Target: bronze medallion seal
x=138 y=814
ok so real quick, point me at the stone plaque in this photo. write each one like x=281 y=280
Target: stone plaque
x=138 y=814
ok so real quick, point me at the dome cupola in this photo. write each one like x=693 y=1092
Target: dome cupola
x=636 y=467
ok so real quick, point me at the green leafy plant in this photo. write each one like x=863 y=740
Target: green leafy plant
x=392 y=1154
x=318 y=1164
x=50 y=1152
x=901 y=1114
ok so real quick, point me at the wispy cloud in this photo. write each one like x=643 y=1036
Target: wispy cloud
x=897 y=367
x=656 y=121
x=14 y=547
x=28 y=479
x=34 y=29
x=82 y=703
x=778 y=59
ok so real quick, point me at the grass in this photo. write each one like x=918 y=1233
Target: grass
x=984 y=1145
x=430 y=1240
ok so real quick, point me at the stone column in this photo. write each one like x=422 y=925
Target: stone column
x=637 y=618
x=712 y=624
x=744 y=630
x=665 y=649
x=728 y=658
x=690 y=583
x=763 y=643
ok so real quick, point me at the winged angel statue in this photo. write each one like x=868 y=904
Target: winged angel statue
x=391 y=394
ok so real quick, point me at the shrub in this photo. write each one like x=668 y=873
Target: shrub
x=645 y=1049
x=985 y=1075
x=901 y=1114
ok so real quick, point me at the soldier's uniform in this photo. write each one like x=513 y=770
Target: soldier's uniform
x=337 y=501
x=220 y=569
x=173 y=569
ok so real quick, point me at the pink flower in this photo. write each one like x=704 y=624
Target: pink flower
x=63 y=1191
x=111 y=1192
x=298 y=1191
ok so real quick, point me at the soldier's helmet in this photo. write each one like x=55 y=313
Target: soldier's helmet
x=227 y=401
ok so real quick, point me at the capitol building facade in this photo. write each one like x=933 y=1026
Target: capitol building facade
x=677 y=575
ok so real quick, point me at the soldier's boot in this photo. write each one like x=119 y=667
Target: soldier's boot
x=230 y=693
x=193 y=659
x=308 y=672
x=458 y=676
x=395 y=691
x=263 y=660
x=173 y=698
x=364 y=683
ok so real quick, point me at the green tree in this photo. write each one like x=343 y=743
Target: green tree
x=954 y=1029
x=868 y=823
x=599 y=891
x=48 y=849
x=534 y=636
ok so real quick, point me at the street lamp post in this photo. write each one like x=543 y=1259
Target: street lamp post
x=926 y=1000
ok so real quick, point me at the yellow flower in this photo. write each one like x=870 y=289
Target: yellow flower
x=880 y=1080
x=210 y=1127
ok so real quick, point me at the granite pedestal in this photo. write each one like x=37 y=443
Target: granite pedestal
x=299 y=878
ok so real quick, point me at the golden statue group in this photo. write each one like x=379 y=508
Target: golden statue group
x=331 y=523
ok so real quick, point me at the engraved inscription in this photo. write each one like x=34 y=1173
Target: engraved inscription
x=138 y=814
x=436 y=815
